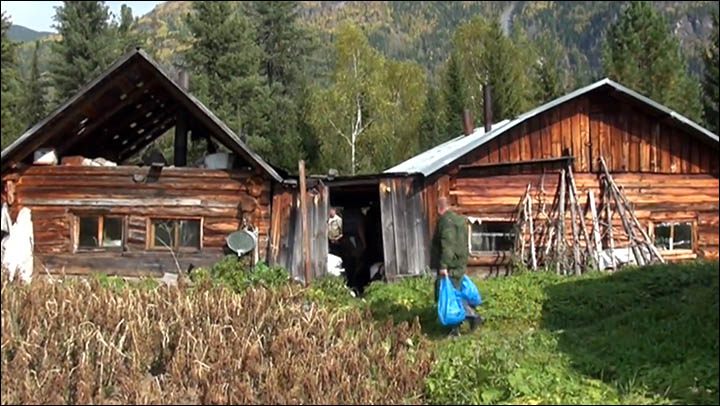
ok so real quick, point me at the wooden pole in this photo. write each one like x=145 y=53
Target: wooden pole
x=560 y=250
x=528 y=200
x=581 y=216
x=606 y=194
x=621 y=202
x=304 y=223
x=576 y=235
x=596 y=227
x=646 y=236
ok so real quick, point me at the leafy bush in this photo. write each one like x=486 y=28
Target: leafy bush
x=333 y=291
x=234 y=274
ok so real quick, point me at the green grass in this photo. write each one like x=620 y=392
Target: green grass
x=640 y=336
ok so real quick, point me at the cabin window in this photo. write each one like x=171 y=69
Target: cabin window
x=175 y=234
x=99 y=232
x=673 y=236
x=491 y=236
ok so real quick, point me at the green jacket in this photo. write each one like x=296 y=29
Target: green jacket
x=449 y=247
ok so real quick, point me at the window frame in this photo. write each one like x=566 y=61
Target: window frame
x=505 y=221
x=75 y=233
x=675 y=222
x=150 y=233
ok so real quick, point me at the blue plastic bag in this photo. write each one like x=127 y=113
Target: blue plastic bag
x=450 y=308
x=470 y=292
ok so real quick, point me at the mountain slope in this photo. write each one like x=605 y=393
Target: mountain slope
x=422 y=31
x=18 y=33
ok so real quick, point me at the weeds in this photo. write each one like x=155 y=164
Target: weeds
x=84 y=343
x=640 y=336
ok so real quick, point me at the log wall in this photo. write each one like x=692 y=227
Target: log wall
x=56 y=194
x=667 y=173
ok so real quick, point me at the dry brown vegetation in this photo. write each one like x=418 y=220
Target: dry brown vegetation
x=81 y=343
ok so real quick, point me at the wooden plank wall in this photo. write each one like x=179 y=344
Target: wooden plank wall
x=587 y=127
x=656 y=198
x=286 y=247
x=222 y=199
x=405 y=224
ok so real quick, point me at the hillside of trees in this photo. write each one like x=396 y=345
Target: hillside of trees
x=360 y=86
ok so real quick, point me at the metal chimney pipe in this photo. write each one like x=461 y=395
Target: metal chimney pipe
x=467 y=122
x=184 y=79
x=487 y=103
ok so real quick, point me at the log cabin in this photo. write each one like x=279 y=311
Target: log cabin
x=666 y=165
x=136 y=219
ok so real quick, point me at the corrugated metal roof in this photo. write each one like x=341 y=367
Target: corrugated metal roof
x=442 y=155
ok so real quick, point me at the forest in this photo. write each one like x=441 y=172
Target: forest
x=360 y=87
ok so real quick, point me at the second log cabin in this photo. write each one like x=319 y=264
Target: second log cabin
x=666 y=164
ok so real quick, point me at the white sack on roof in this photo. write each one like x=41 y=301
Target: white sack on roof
x=18 y=258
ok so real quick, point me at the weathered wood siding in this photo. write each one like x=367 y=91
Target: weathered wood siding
x=666 y=173
x=286 y=248
x=56 y=194
x=404 y=225
x=592 y=126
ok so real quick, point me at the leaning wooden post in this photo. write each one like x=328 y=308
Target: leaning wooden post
x=529 y=215
x=606 y=194
x=596 y=227
x=576 y=235
x=648 y=241
x=304 y=222
x=581 y=216
x=619 y=205
x=560 y=249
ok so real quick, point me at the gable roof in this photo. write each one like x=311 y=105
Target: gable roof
x=434 y=159
x=120 y=112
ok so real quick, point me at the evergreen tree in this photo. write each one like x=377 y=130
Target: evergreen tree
x=127 y=36
x=551 y=69
x=10 y=122
x=85 y=48
x=432 y=129
x=224 y=62
x=286 y=47
x=711 y=80
x=35 y=103
x=454 y=99
x=639 y=52
x=487 y=56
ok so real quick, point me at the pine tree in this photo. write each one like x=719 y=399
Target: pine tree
x=35 y=103
x=10 y=122
x=224 y=62
x=86 y=46
x=551 y=69
x=287 y=47
x=432 y=130
x=127 y=36
x=639 y=52
x=454 y=99
x=488 y=57
x=712 y=80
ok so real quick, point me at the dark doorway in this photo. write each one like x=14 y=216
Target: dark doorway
x=357 y=202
